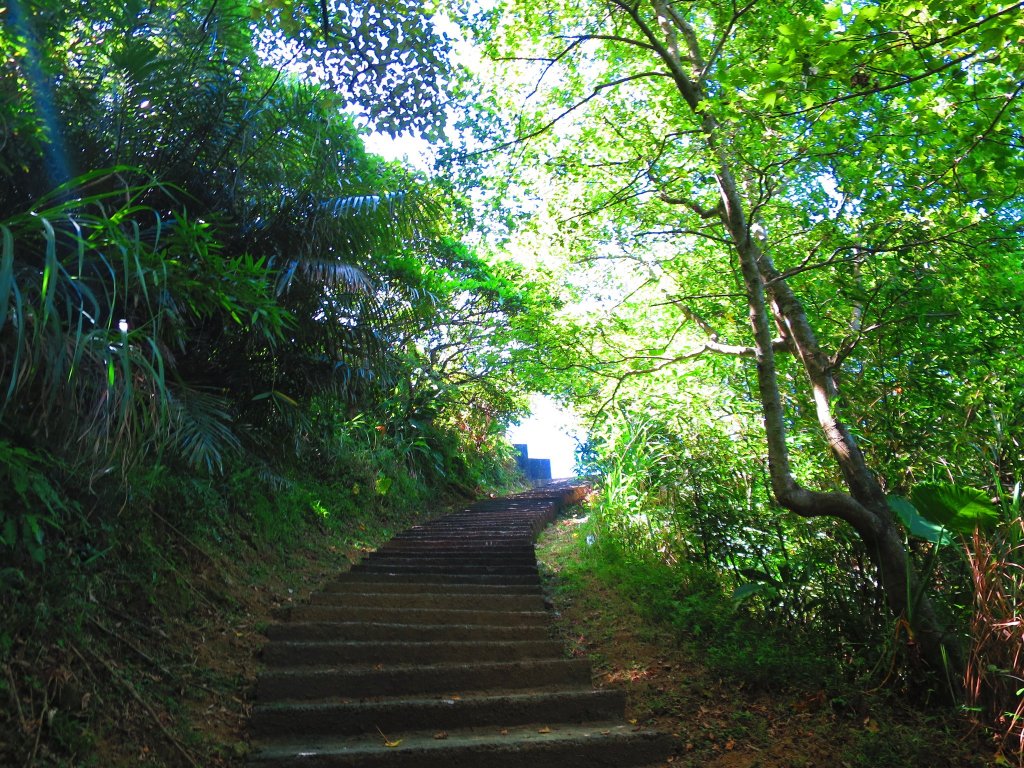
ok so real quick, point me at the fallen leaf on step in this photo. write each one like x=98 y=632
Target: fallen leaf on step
x=387 y=743
x=545 y=729
x=441 y=735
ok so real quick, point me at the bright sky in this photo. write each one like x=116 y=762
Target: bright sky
x=549 y=433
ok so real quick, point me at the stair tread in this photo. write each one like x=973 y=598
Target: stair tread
x=460 y=699
x=497 y=736
x=444 y=666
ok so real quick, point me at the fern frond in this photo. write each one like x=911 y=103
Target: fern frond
x=202 y=432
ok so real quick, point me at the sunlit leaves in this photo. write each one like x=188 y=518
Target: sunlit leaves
x=878 y=146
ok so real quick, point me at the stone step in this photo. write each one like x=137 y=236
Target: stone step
x=428 y=587
x=359 y=631
x=453 y=530
x=343 y=718
x=335 y=653
x=430 y=556
x=531 y=579
x=458 y=547
x=458 y=527
x=356 y=682
x=438 y=600
x=538 y=745
x=398 y=614
x=422 y=562
x=405 y=566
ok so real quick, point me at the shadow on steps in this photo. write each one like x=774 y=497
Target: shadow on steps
x=436 y=651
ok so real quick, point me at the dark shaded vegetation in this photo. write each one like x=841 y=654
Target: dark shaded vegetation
x=231 y=342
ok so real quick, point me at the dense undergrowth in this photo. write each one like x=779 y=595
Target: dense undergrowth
x=735 y=690
x=131 y=640
x=690 y=539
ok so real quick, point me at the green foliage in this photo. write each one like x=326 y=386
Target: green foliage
x=219 y=262
x=693 y=601
x=954 y=507
x=838 y=176
x=31 y=507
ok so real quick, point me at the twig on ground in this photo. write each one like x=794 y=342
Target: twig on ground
x=14 y=696
x=144 y=704
x=138 y=651
x=39 y=727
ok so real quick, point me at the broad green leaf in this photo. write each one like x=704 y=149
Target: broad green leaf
x=915 y=524
x=752 y=589
x=955 y=507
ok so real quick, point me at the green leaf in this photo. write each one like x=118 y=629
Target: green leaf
x=915 y=524
x=752 y=589
x=10 y=533
x=956 y=507
x=6 y=270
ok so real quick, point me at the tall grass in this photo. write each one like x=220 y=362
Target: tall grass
x=994 y=677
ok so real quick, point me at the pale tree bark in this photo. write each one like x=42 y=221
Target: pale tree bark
x=772 y=302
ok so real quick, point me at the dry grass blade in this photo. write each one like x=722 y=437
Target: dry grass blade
x=994 y=678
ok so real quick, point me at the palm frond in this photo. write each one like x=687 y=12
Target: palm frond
x=201 y=423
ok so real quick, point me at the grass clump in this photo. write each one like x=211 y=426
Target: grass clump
x=696 y=606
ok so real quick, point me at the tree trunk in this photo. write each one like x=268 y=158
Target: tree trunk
x=865 y=507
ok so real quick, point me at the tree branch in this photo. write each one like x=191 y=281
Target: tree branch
x=972 y=25
x=720 y=45
x=980 y=137
x=704 y=213
x=611 y=38
x=880 y=89
x=597 y=91
x=683 y=82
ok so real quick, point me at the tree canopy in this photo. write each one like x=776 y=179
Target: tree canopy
x=831 y=192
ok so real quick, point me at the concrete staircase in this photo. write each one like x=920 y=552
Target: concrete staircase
x=436 y=651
